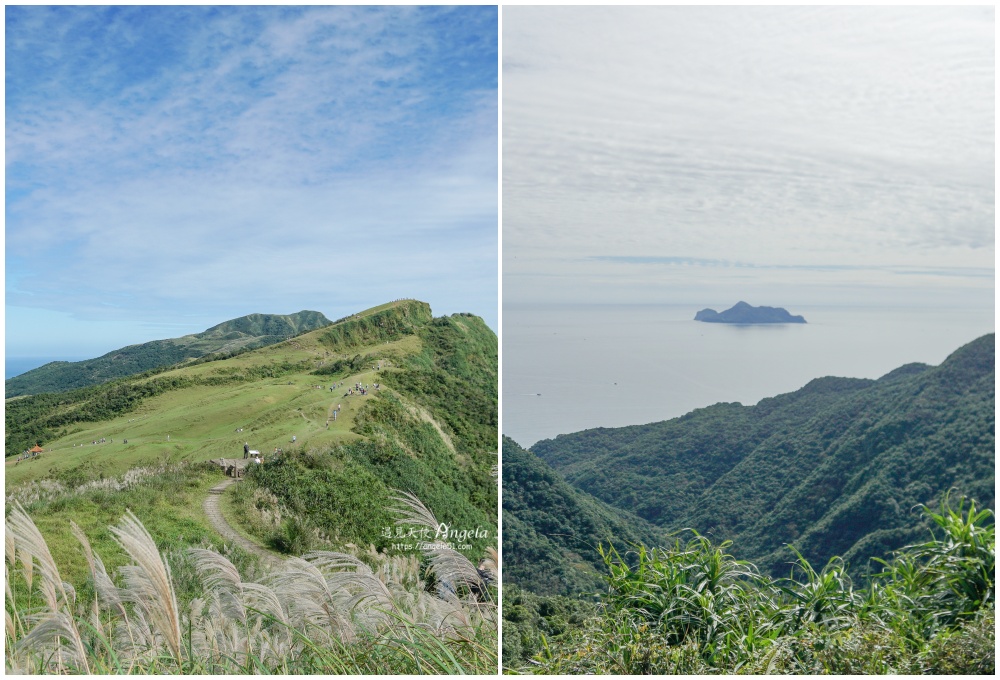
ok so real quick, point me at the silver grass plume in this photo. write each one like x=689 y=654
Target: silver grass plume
x=310 y=604
x=451 y=567
x=237 y=612
x=148 y=583
x=222 y=580
x=46 y=636
x=352 y=582
x=10 y=547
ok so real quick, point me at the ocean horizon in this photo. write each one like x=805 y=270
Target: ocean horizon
x=568 y=368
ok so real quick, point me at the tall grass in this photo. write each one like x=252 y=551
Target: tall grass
x=692 y=608
x=325 y=612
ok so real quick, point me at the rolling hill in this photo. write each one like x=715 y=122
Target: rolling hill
x=426 y=424
x=834 y=468
x=227 y=338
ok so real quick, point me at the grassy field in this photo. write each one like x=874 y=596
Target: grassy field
x=200 y=423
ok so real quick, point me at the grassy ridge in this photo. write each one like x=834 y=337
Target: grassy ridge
x=432 y=435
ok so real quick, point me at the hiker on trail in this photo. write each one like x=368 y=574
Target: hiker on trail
x=246 y=450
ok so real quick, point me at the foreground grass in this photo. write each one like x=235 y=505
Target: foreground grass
x=691 y=608
x=324 y=613
x=166 y=497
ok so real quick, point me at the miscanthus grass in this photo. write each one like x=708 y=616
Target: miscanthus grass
x=691 y=608
x=326 y=612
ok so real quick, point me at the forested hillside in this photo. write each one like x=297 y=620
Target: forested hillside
x=236 y=335
x=834 y=468
x=551 y=531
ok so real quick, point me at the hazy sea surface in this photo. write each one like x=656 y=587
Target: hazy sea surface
x=14 y=366
x=573 y=367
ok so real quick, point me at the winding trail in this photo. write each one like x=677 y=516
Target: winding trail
x=213 y=511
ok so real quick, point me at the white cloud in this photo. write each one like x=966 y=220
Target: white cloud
x=851 y=135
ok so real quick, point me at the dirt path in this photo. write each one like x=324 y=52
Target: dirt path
x=214 y=513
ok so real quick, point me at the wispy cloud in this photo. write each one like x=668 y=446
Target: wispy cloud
x=251 y=159
x=805 y=137
x=975 y=272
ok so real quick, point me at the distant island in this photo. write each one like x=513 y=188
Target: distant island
x=741 y=312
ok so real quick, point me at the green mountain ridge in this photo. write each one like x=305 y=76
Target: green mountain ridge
x=241 y=334
x=833 y=468
x=552 y=530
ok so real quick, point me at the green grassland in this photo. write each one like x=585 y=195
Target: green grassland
x=430 y=430
x=201 y=420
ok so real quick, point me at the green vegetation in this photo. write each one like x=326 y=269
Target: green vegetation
x=377 y=325
x=166 y=497
x=224 y=340
x=832 y=469
x=692 y=608
x=830 y=474
x=434 y=436
x=552 y=531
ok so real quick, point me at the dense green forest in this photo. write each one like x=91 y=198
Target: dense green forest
x=225 y=339
x=552 y=531
x=834 y=468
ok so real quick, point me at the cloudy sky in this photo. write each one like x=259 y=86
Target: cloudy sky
x=782 y=155
x=171 y=168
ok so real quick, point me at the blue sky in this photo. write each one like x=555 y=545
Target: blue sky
x=780 y=155
x=169 y=168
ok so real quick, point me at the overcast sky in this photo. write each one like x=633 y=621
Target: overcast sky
x=168 y=168
x=780 y=155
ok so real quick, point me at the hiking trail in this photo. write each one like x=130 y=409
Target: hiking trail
x=213 y=510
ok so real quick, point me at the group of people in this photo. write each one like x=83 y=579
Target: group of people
x=361 y=389
x=26 y=455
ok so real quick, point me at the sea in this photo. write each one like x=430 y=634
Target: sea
x=567 y=368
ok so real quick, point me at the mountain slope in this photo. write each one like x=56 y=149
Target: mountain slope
x=833 y=468
x=551 y=530
x=429 y=428
x=247 y=332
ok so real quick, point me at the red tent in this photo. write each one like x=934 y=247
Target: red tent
x=36 y=449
